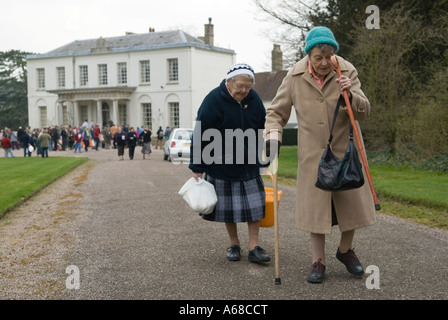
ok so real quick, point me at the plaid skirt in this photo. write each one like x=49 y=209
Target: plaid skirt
x=238 y=201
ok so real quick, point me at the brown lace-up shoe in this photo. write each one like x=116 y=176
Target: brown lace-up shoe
x=317 y=271
x=351 y=262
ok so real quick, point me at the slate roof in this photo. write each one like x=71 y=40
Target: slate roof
x=130 y=42
x=267 y=83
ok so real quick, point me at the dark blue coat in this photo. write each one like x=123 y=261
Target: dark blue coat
x=27 y=140
x=239 y=156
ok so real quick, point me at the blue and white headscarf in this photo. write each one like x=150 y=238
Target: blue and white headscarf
x=240 y=68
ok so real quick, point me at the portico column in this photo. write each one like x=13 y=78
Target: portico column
x=114 y=115
x=128 y=111
x=75 y=113
x=60 y=115
x=98 y=113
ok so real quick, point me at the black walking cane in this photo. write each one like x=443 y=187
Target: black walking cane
x=335 y=62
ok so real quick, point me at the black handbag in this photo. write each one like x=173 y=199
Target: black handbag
x=335 y=174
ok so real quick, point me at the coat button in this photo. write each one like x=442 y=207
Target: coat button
x=321 y=99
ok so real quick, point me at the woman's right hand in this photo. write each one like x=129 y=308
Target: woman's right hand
x=197 y=175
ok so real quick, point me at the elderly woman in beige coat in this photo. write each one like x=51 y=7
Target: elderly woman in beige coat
x=312 y=88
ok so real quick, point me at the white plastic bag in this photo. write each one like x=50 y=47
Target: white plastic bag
x=200 y=195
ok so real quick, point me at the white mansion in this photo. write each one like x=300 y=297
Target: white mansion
x=155 y=79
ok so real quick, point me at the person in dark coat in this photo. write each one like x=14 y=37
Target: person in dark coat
x=70 y=137
x=20 y=134
x=120 y=141
x=132 y=142
x=55 y=137
x=27 y=141
x=234 y=172
x=64 y=136
x=145 y=136
x=159 y=138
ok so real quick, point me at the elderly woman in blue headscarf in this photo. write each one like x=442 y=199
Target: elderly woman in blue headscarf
x=233 y=166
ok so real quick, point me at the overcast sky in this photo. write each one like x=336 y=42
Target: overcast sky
x=39 y=26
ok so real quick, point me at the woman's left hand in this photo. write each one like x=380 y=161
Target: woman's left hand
x=344 y=83
x=197 y=175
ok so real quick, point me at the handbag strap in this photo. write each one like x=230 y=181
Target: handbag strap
x=335 y=116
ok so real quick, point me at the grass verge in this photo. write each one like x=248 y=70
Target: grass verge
x=409 y=193
x=23 y=177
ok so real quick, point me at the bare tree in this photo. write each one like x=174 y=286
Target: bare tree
x=293 y=20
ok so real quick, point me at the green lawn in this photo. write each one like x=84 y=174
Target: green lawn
x=409 y=193
x=418 y=187
x=22 y=177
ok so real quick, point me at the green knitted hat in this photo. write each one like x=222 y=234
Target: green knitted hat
x=319 y=35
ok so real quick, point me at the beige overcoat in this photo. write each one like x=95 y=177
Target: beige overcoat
x=315 y=108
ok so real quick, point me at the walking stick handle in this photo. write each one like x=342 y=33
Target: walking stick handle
x=335 y=62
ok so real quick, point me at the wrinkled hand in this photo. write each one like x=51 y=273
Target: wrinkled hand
x=344 y=83
x=197 y=175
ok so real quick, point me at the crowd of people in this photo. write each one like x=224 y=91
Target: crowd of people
x=81 y=138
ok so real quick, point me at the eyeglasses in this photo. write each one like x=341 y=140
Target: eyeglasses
x=241 y=87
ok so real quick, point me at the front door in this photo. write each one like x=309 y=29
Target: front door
x=105 y=113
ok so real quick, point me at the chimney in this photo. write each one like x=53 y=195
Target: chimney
x=277 y=58
x=209 y=34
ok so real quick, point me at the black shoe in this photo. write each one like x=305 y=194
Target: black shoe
x=234 y=253
x=351 y=262
x=258 y=255
x=317 y=272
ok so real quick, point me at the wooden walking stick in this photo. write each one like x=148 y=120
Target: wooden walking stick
x=335 y=62
x=276 y=203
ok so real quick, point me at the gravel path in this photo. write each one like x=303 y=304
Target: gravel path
x=123 y=226
x=37 y=238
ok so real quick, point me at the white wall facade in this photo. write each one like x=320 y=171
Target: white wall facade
x=199 y=70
